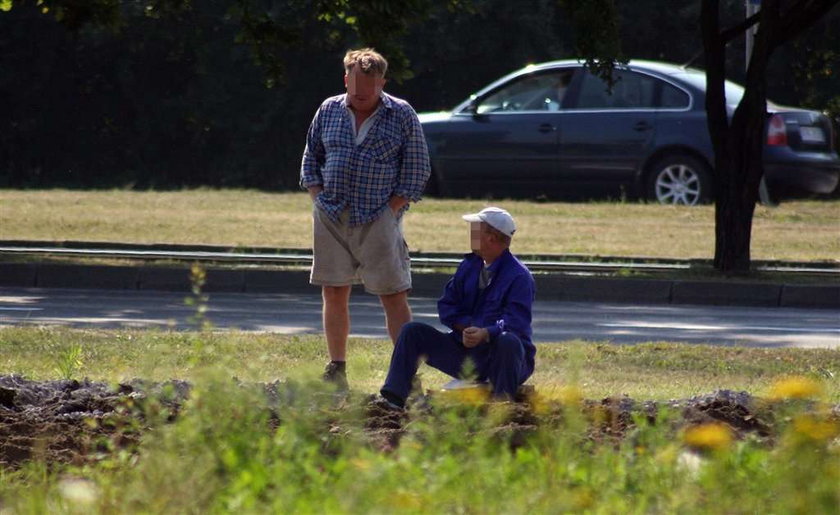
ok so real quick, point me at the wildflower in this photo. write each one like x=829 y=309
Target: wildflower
x=539 y=404
x=81 y=492
x=570 y=395
x=795 y=388
x=813 y=428
x=473 y=396
x=689 y=462
x=543 y=402
x=708 y=437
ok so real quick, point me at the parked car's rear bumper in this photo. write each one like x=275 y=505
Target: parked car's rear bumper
x=814 y=172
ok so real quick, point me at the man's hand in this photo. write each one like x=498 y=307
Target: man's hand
x=396 y=203
x=314 y=191
x=474 y=336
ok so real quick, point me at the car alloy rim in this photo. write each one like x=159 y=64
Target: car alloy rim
x=678 y=184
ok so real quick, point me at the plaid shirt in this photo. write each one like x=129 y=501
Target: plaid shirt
x=393 y=159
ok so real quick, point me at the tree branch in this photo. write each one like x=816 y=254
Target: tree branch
x=733 y=32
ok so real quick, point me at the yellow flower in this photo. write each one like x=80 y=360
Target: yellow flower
x=570 y=395
x=539 y=403
x=712 y=436
x=795 y=388
x=473 y=396
x=542 y=402
x=816 y=429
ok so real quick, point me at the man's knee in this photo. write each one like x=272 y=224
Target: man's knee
x=415 y=334
x=394 y=299
x=413 y=330
x=335 y=294
x=509 y=346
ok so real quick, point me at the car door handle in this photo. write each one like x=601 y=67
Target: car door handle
x=547 y=127
x=642 y=126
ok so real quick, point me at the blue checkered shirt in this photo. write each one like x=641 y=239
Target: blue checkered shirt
x=393 y=159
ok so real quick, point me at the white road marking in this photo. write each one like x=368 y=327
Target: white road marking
x=706 y=327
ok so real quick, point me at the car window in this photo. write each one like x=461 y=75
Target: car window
x=542 y=92
x=673 y=97
x=733 y=91
x=631 y=91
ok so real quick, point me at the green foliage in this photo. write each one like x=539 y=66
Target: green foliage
x=108 y=14
x=170 y=93
x=291 y=446
x=815 y=61
x=197 y=299
x=232 y=449
x=69 y=362
x=597 y=35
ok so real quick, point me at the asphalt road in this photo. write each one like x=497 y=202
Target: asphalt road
x=300 y=314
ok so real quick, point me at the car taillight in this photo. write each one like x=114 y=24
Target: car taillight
x=776 y=131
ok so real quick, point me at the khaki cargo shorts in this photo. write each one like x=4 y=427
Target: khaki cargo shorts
x=374 y=254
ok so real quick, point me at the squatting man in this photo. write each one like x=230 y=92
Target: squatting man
x=487 y=307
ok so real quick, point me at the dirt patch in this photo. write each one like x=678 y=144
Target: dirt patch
x=73 y=421
x=80 y=421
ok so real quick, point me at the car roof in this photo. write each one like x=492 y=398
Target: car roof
x=655 y=67
x=638 y=64
x=688 y=77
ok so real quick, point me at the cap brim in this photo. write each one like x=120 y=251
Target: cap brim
x=472 y=218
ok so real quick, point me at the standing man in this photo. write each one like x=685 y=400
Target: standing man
x=487 y=306
x=365 y=160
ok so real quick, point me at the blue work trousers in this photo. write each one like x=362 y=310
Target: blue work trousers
x=501 y=361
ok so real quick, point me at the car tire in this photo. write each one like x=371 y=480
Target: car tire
x=679 y=180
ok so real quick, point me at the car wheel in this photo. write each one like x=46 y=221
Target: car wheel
x=679 y=180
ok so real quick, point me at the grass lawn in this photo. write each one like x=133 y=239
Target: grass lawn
x=796 y=230
x=223 y=453
x=649 y=371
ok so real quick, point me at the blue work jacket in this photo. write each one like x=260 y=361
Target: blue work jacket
x=503 y=306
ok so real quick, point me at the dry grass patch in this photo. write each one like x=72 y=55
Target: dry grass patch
x=797 y=230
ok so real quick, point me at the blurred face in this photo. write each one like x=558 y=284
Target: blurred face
x=477 y=236
x=363 y=90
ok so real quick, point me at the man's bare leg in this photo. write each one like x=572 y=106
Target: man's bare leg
x=336 y=314
x=397 y=312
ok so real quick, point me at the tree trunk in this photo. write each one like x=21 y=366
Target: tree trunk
x=734 y=213
x=739 y=143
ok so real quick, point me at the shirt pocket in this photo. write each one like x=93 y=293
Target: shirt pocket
x=385 y=150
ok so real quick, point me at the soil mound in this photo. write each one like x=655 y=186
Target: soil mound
x=72 y=421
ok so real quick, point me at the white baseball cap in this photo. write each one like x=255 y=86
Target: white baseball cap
x=496 y=217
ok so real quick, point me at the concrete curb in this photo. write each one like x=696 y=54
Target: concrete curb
x=549 y=286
